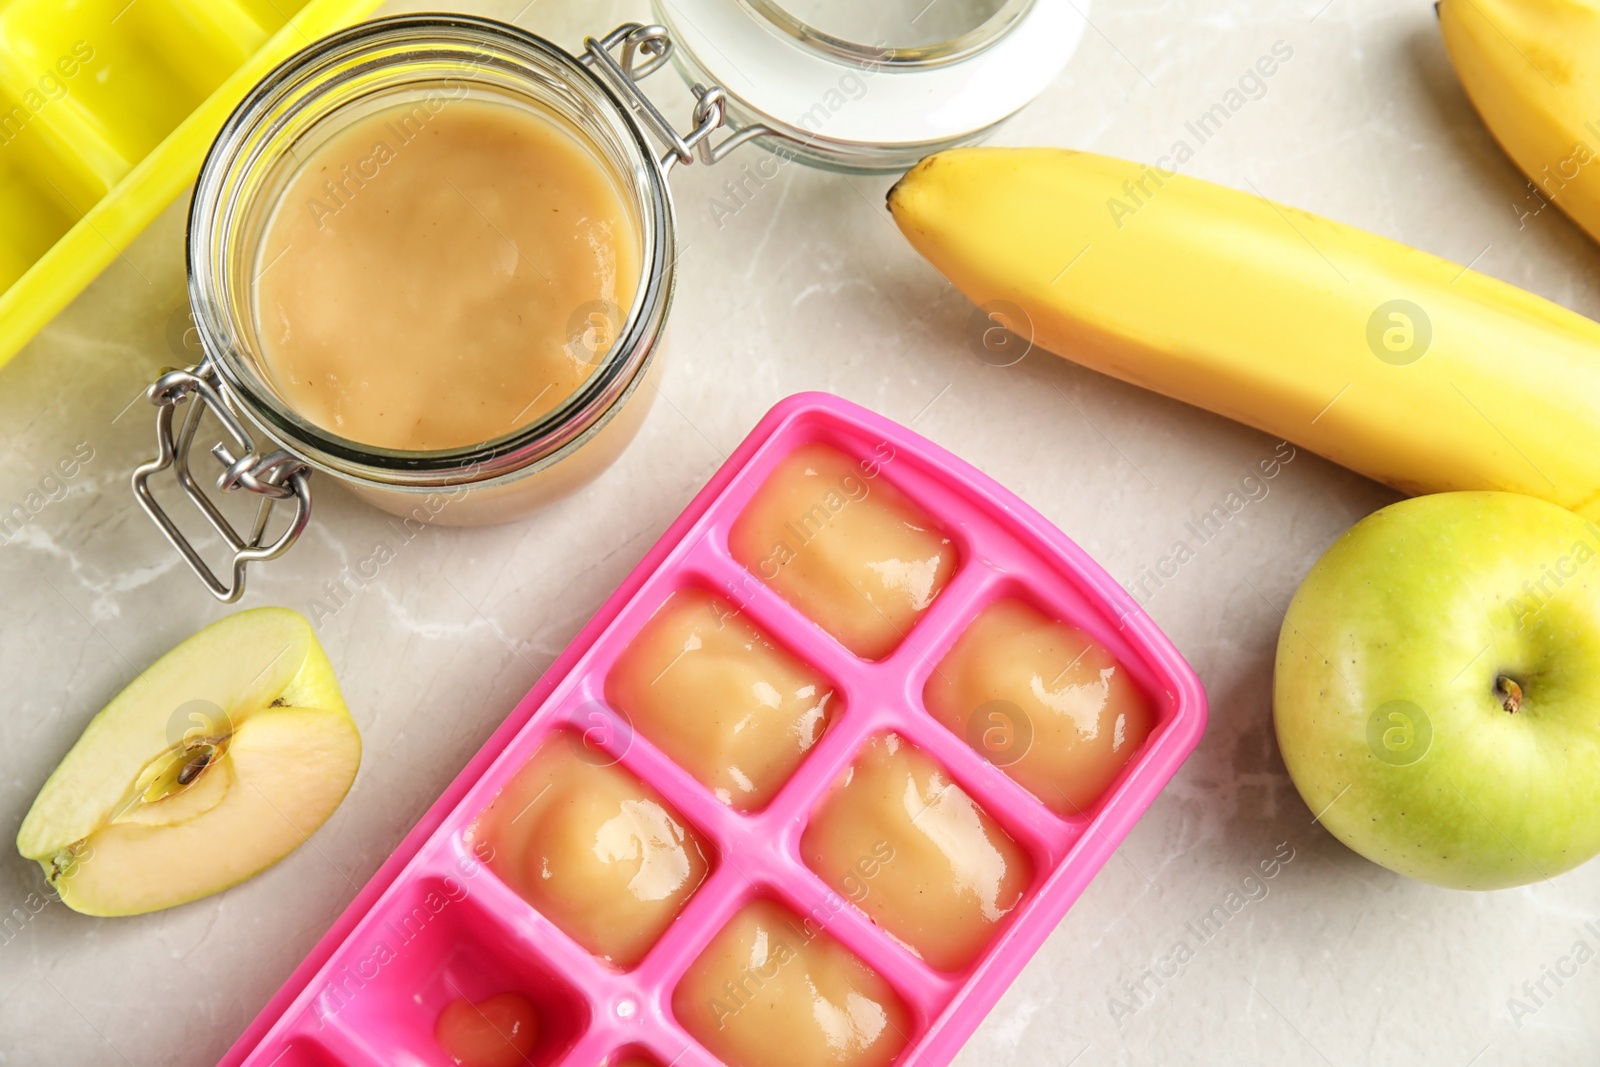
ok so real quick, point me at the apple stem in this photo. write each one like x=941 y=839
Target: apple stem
x=1510 y=693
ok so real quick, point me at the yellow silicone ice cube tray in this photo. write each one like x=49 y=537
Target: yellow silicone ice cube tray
x=107 y=108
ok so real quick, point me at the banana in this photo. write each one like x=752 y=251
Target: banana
x=1395 y=363
x=1532 y=69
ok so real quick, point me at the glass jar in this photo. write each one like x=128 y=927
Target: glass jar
x=925 y=95
x=872 y=86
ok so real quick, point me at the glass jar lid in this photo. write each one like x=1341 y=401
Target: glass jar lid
x=872 y=85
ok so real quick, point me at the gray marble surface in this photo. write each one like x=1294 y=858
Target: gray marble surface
x=809 y=286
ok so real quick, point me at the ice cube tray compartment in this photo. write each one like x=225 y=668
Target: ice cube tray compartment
x=305 y=1053
x=106 y=110
x=441 y=939
x=38 y=185
x=1004 y=551
x=698 y=579
x=141 y=67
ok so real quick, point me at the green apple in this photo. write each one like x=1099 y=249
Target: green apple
x=1437 y=697
x=210 y=766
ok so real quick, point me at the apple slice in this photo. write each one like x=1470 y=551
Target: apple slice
x=209 y=767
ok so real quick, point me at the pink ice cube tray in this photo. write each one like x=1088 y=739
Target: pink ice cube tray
x=433 y=924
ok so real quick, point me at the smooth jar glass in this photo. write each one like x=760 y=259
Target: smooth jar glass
x=872 y=86
x=905 y=32
x=426 y=62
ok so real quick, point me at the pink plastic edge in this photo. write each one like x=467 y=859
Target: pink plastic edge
x=951 y=1029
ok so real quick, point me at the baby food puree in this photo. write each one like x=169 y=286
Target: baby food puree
x=501 y=1031
x=1049 y=690
x=916 y=853
x=594 y=849
x=440 y=273
x=774 y=990
x=720 y=698
x=845 y=547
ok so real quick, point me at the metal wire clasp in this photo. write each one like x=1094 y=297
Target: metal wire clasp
x=274 y=476
x=645 y=49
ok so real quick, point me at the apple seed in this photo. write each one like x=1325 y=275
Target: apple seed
x=175 y=770
x=1510 y=693
x=192 y=768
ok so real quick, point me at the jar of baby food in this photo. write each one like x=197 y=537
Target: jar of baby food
x=431 y=257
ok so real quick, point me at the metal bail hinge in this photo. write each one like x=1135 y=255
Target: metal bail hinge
x=275 y=476
x=645 y=50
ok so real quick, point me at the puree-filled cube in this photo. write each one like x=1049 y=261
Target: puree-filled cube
x=773 y=990
x=501 y=1031
x=916 y=853
x=1043 y=701
x=840 y=543
x=593 y=849
x=709 y=689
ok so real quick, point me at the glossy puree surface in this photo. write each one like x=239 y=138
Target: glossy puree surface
x=440 y=273
x=916 y=853
x=1042 y=700
x=844 y=546
x=592 y=848
x=773 y=990
x=717 y=695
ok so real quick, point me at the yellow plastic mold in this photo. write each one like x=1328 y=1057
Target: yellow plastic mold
x=107 y=108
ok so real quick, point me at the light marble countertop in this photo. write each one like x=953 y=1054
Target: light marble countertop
x=810 y=286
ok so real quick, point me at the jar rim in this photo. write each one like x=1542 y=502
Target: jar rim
x=861 y=108
x=250 y=128
x=962 y=46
